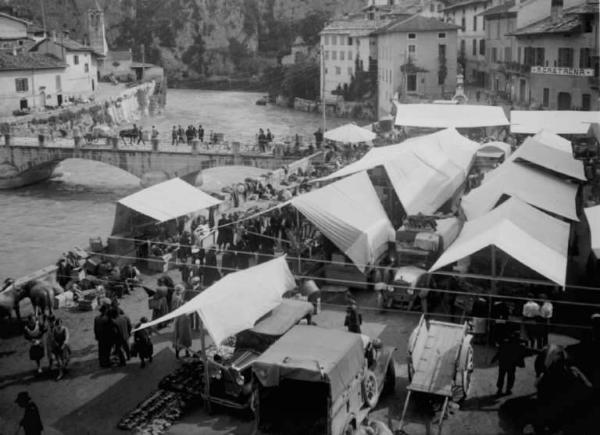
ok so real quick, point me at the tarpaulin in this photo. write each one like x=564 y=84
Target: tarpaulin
x=554 y=121
x=350 y=133
x=593 y=217
x=449 y=115
x=551 y=139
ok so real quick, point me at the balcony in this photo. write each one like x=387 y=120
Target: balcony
x=516 y=67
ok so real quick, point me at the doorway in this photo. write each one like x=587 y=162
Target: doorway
x=23 y=104
x=522 y=85
x=59 y=100
x=564 y=101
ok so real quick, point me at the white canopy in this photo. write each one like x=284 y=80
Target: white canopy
x=350 y=133
x=169 y=200
x=555 y=121
x=494 y=149
x=530 y=236
x=593 y=217
x=447 y=115
x=238 y=300
x=551 y=139
x=349 y=213
x=531 y=185
x=549 y=158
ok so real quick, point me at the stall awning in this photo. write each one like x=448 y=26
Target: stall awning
x=593 y=217
x=447 y=115
x=554 y=121
x=549 y=158
x=530 y=236
x=349 y=213
x=238 y=300
x=350 y=133
x=555 y=141
x=169 y=200
x=531 y=185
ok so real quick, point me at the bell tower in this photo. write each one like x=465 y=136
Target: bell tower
x=96 y=30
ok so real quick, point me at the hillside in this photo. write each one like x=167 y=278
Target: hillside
x=193 y=38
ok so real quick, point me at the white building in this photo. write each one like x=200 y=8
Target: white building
x=14 y=33
x=30 y=80
x=80 y=79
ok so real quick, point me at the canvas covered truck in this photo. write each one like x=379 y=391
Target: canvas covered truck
x=320 y=381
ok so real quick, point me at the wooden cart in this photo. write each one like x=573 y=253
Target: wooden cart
x=440 y=362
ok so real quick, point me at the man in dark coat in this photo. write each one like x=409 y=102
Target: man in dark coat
x=31 y=421
x=104 y=335
x=228 y=262
x=123 y=329
x=353 y=319
x=509 y=356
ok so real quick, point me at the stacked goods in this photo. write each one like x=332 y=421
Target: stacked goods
x=186 y=379
x=87 y=300
x=155 y=414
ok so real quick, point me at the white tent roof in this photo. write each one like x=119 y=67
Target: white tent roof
x=533 y=186
x=549 y=158
x=593 y=216
x=169 y=200
x=456 y=147
x=447 y=115
x=551 y=139
x=238 y=300
x=555 y=121
x=494 y=149
x=350 y=133
x=530 y=236
x=349 y=213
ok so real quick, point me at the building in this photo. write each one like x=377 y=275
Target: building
x=501 y=49
x=30 y=81
x=118 y=64
x=425 y=8
x=471 y=36
x=300 y=53
x=80 y=78
x=416 y=58
x=14 y=33
x=557 y=54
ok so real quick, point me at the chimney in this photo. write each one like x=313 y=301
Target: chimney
x=556 y=9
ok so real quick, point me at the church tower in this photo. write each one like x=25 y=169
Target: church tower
x=96 y=30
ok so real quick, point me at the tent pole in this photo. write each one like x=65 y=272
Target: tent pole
x=298 y=244
x=206 y=374
x=492 y=292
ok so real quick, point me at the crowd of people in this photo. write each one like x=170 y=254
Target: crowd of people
x=49 y=338
x=186 y=136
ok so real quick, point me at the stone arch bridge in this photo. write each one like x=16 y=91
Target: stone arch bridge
x=22 y=165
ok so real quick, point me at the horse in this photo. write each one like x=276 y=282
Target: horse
x=130 y=133
x=41 y=295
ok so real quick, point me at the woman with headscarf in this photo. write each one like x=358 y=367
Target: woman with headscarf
x=142 y=344
x=34 y=333
x=182 y=333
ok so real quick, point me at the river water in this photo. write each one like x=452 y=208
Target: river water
x=40 y=222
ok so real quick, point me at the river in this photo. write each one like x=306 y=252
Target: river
x=40 y=222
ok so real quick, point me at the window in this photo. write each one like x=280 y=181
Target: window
x=482 y=47
x=585 y=58
x=86 y=67
x=22 y=85
x=349 y=71
x=529 y=56
x=586 y=102
x=462 y=47
x=463 y=23
x=442 y=51
x=483 y=24
x=338 y=70
x=546 y=97
x=349 y=41
x=565 y=57
x=334 y=55
x=349 y=55
x=333 y=39
x=494 y=54
x=442 y=35
x=412 y=50
x=411 y=83
x=431 y=7
x=412 y=36
x=58 y=83
x=342 y=55
x=75 y=59
x=474 y=47
x=519 y=54
x=326 y=40
x=326 y=54
x=475 y=23
x=539 y=56
x=507 y=54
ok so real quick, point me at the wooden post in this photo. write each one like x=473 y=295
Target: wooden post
x=206 y=374
x=492 y=292
x=298 y=243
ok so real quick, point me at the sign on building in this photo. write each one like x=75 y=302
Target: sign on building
x=563 y=71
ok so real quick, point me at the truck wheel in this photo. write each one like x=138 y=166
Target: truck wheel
x=349 y=428
x=370 y=389
x=390 y=378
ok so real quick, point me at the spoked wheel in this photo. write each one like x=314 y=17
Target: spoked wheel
x=370 y=389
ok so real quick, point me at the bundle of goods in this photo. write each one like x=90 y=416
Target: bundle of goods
x=186 y=379
x=155 y=414
x=87 y=300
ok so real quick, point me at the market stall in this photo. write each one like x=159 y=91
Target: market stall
x=554 y=121
x=555 y=141
x=593 y=217
x=350 y=134
x=449 y=115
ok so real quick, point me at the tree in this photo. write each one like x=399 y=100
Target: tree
x=301 y=81
x=194 y=55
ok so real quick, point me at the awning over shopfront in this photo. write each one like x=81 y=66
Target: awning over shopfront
x=547 y=157
x=162 y=202
x=551 y=139
x=528 y=235
x=593 y=217
x=350 y=133
x=532 y=186
x=449 y=115
x=554 y=121
x=238 y=300
x=349 y=213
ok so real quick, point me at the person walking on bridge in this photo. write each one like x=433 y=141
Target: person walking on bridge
x=140 y=135
x=174 y=137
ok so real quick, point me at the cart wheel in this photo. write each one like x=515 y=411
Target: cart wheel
x=349 y=429
x=390 y=378
x=370 y=389
x=468 y=370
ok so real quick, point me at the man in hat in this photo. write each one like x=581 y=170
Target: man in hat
x=353 y=319
x=509 y=356
x=31 y=421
